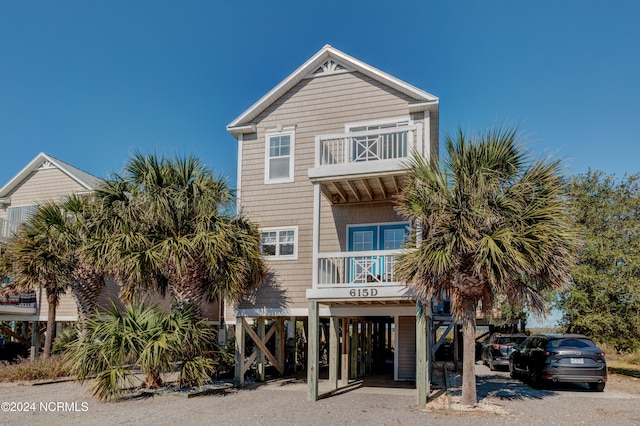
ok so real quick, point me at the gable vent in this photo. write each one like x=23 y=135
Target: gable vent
x=330 y=66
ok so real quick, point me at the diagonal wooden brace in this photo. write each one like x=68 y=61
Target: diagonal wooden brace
x=261 y=344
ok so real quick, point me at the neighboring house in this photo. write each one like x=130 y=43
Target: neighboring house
x=45 y=178
x=320 y=159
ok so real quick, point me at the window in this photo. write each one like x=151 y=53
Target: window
x=279 y=158
x=279 y=243
x=16 y=215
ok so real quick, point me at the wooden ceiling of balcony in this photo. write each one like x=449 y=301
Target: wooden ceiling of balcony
x=362 y=189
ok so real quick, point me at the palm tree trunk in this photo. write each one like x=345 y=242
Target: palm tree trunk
x=154 y=380
x=469 y=396
x=52 y=301
x=187 y=289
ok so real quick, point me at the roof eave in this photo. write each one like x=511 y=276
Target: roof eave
x=241 y=130
x=22 y=174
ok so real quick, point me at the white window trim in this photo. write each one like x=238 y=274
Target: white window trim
x=292 y=138
x=379 y=122
x=277 y=229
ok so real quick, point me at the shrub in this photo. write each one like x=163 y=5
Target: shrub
x=39 y=369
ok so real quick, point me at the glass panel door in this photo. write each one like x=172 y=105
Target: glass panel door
x=362 y=269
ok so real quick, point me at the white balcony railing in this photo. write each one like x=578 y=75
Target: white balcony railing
x=354 y=269
x=366 y=146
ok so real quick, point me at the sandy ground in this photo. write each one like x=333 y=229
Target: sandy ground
x=501 y=399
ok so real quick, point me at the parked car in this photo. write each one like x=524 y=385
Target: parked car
x=496 y=351
x=559 y=358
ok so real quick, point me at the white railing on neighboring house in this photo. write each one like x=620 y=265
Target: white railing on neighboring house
x=21 y=301
x=7 y=228
x=365 y=146
x=353 y=269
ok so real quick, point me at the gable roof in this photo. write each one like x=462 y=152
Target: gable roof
x=86 y=180
x=423 y=100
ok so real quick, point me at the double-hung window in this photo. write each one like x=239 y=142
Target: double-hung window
x=279 y=243
x=279 y=158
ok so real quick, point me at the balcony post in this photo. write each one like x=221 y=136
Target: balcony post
x=423 y=360
x=316 y=233
x=313 y=352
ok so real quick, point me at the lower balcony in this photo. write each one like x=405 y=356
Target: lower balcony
x=362 y=275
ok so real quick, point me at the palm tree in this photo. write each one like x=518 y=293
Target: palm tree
x=114 y=343
x=40 y=257
x=491 y=224
x=46 y=252
x=169 y=224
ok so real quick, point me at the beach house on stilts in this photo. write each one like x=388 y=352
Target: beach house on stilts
x=320 y=159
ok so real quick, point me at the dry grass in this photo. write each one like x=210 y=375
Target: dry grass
x=39 y=369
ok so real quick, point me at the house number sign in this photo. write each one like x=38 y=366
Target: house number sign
x=363 y=292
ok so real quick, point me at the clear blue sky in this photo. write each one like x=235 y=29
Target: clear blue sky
x=89 y=81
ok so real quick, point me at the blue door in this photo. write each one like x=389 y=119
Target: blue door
x=364 y=269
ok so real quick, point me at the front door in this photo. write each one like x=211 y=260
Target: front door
x=370 y=238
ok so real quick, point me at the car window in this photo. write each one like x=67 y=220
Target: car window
x=538 y=343
x=571 y=343
x=509 y=340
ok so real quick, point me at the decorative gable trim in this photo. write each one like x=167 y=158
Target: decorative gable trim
x=328 y=67
x=46 y=164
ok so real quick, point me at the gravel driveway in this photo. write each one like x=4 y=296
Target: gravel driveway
x=284 y=403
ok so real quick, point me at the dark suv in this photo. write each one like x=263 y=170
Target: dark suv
x=559 y=358
x=498 y=348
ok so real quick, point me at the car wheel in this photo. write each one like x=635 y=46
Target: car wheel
x=536 y=381
x=598 y=387
x=512 y=370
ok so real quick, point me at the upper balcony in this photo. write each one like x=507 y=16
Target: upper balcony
x=365 y=165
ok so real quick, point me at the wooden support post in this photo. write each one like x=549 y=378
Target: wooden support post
x=34 y=340
x=361 y=349
x=344 y=357
x=354 y=349
x=369 y=367
x=280 y=342
x=291 y=339
x=239 y=372
x=260 y=357
x=334 y=351
x=422 y=357
x=313 y=352
x=456 y=346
